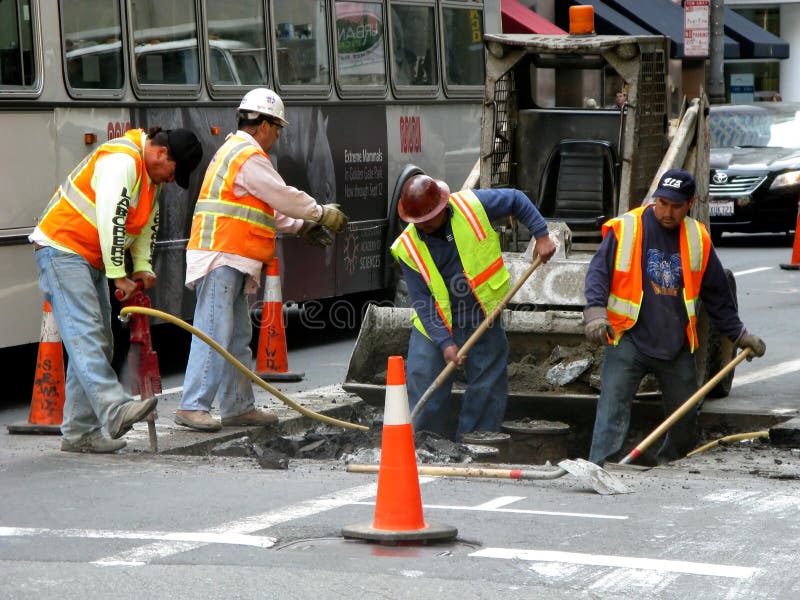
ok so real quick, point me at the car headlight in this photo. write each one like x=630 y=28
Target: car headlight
x=785 y=180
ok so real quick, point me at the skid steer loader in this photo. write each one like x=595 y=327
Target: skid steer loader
x=580 y=166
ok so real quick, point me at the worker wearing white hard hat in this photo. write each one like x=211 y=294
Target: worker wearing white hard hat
x=243 y=204
x=265 y=102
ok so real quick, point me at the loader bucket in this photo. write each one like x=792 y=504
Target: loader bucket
x=549 y=358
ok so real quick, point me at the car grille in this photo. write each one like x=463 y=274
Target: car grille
x=737 y=185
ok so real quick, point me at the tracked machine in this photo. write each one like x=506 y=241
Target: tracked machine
x=580 y=165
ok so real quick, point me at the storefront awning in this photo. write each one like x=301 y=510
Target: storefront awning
x=519 y=19
x=754 y=41
x=663 y=17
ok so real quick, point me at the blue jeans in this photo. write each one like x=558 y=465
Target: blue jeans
x=483 y=405
x=78 y=295
x=222 y=314
x=623 y=369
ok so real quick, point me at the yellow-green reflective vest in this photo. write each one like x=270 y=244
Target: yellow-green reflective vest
x=479 y=249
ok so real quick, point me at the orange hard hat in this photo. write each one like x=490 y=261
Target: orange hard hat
x=422 y=198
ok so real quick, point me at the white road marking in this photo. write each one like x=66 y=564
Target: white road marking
x=163 y=549
x=488 y=507
x=751 y=271
x=178 y=536
x=499 y=502
x=624 y=562
x=784 y=368
x=174 y=390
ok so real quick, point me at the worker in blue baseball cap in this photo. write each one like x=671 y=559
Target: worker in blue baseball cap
x=642 y=290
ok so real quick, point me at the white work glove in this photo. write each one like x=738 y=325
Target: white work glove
x=315 y=234
x=333 y=218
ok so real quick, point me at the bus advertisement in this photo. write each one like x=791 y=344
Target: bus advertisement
x=369 y=86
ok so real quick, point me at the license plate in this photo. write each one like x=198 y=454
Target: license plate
x=720 y=209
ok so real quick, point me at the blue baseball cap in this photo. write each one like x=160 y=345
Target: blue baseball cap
x=676 y=185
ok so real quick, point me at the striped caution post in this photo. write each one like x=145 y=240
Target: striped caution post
x=47 y=400
x=398 y=507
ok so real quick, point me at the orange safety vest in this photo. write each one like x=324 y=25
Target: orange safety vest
x=224 y=222
x=70 y=218
x=625 y=297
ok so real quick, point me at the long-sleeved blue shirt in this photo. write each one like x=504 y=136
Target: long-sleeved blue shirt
x=467 y=312
x=660 y=331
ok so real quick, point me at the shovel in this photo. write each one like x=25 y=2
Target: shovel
x=600 y=480
x=684 y=408
x=497 y=311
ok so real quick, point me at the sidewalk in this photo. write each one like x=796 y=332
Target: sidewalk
x=739 y=413
x=175 y=439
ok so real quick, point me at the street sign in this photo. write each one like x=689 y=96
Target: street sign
x=695 y=28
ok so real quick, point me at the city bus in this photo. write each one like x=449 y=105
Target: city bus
x=369 y=86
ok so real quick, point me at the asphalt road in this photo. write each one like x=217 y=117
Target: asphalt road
x=721 y=525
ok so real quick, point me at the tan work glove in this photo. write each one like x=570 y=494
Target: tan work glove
x=755 y=343
x=597 y=330
x=315 y=234
x=597 y=325
x=333 y=218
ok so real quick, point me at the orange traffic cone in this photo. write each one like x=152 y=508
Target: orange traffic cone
x=398 y=507
x=47 y=402
x=272 y=363
x=795 y=264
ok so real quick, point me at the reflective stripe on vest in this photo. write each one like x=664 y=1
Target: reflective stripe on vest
x=70 y=218
x=224 y=222
x=415 y=253
x=626 y=293
x=478 y=247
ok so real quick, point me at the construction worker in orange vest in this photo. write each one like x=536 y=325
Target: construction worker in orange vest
x=642 y=290
x=243 y=203
x=451 y=260
x=107 y=207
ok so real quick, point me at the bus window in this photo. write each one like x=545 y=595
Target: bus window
x=360 y=45
x=463 y=47
x=237 y=45
x=414 y=45
x=165 y=43
x=301 y=43
x=91 y=33
x=16 y=44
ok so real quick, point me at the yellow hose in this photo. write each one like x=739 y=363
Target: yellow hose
x=151 y=312
x=738 y=437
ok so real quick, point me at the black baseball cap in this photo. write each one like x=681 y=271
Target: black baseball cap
x=185 y=149
x=676 y=185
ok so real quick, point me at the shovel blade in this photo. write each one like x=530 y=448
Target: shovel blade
x=601 y=480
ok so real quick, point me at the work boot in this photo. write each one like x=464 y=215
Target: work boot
x=254 y=416
x=200 y=420
x=94 y=443
x=130 y=413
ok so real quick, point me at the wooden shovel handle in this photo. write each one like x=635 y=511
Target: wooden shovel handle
x=685 y=407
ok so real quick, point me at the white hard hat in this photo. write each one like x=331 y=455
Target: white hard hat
x=264 y=101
